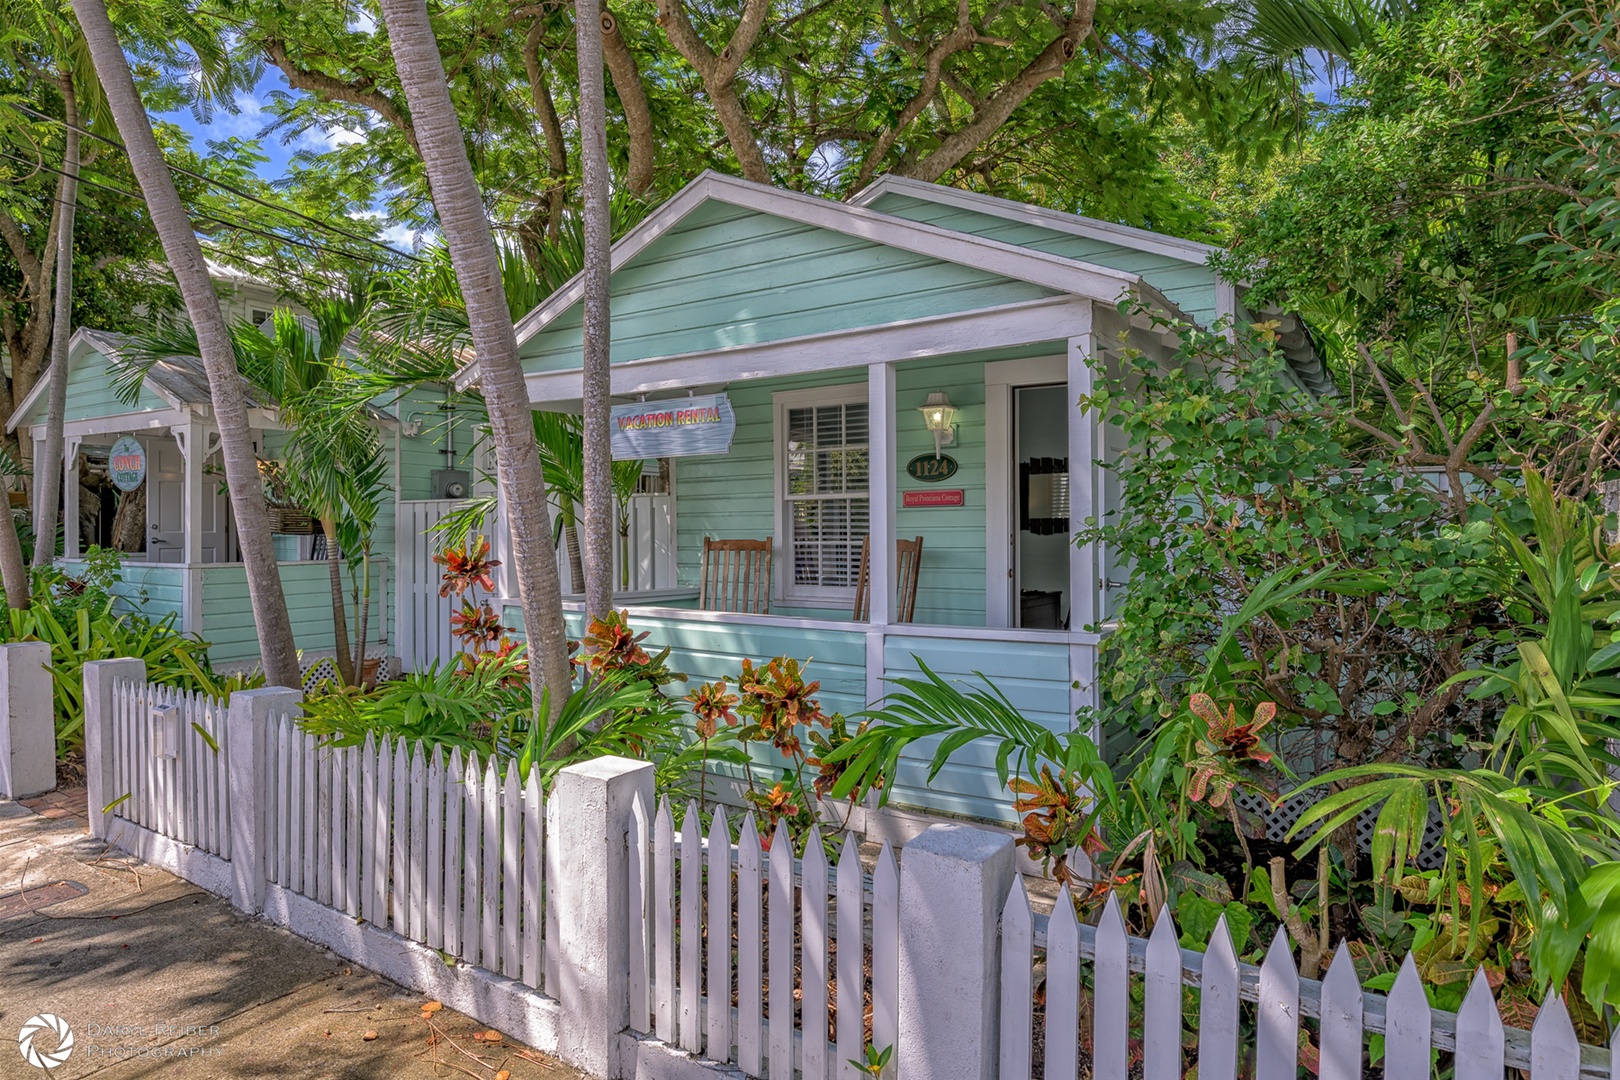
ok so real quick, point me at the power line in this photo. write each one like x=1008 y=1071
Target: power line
x=222 y=185
x=202 y=216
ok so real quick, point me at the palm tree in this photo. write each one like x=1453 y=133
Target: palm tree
x=598 y=478
x=185 y=258
x=478 y=269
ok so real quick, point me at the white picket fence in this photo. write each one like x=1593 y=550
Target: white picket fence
x=683 y=892
x=386 y=848
x=182 y=793
x=443 y=852
x=1345 y=1015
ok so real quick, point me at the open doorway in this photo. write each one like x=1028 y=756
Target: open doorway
x=1041 y=534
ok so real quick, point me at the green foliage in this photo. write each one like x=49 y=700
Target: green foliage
x=78 y=618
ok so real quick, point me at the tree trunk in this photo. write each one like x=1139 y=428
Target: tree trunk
x=340 y=615
x=13 y=571
x=598 y=486
x=129 y=521
x=185 y=258
x=365 y=618
x=48 y=469
x=472 y=253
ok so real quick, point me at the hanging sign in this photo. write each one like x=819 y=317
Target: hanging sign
x=952 y=497
x=126 y=464
x=930 y=469
x=679 y=427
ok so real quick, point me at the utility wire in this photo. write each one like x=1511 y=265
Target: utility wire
x=222 y=185
x=204 y=216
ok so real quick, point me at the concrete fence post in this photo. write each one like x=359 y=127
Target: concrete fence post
x=953 y=881
x=246 y=722
x=27 y=720
x=99 y=676
x=592 y=801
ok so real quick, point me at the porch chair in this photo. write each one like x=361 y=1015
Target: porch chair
x=910 y=560
x=736 y=576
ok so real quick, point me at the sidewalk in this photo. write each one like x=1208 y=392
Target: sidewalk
x=158 y=978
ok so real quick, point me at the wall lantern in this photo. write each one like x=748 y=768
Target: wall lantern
x=166 y=731
x=939 y=417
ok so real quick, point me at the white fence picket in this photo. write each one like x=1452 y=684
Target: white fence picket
x=664 y=923
x=1063 y=990
x=691 y=930
x=511 y=875
x=416 y=895
x=312 y=814
x=373 y=792
x=719 y=1017
x=750 y=939
x=851 y=995
x=455 y=803
x=433 y=894
x=472 y=831
x=323 y=820
x=885 y=950
x=490 y=910
x=1480 y=1039
x=355 y=829
x=287 y=807
x=1017 y=982
x=296 y=803
x=552 y=823
x=1161 y=1000
x=1218 y=1008
x=813 y=959
x=779 y=915
x=639 y=863
x=1406 y=1024
x=336 y=788
x=400 y=829
x=1110 y=1037
x=1555 y=1052
x=1277 y=1014
x=533 y=861
x=1340 y=1025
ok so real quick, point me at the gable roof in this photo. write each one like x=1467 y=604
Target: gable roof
x=1293 y=335
x=1129 y=236
x=181 y=381
x=1064 y=275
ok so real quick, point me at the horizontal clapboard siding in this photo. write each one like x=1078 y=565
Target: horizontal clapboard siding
x=90 y=393
x=228 y=615
x=1190 y=286
x=1034 y=677
x=727 y=276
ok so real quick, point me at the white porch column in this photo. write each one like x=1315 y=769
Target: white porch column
x=881 y=490
x=1085 y=450
x=70 y=497
x=33 y=489
x=193 y=440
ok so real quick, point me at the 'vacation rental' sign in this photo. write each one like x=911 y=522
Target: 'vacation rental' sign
x=680 y=427
x=126 y=464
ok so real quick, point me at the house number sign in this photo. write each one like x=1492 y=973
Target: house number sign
x=126 y=464
x=930 y=469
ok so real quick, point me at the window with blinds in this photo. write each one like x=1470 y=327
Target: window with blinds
x=826 y=514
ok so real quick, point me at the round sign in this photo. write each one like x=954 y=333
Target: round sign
x=930 y=469
x=126 y=464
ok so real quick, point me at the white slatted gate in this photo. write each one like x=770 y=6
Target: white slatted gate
x=424 y=616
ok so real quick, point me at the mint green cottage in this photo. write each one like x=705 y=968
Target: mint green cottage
x=187 y=565
x=826 y=327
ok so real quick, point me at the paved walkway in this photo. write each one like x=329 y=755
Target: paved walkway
x=158 y=978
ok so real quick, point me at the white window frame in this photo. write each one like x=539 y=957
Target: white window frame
x=786 y=591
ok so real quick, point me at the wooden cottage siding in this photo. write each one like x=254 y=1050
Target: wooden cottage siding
x=1191 y=286
x=90 y=394
x=228 y=616
x=727 y=276
x=420 y=455
x=1035 y=676
x=162 y=587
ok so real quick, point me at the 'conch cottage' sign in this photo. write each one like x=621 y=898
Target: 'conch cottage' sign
x=680 y=427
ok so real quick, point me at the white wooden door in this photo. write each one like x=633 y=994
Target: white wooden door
x=165 y=501
x=216 y=525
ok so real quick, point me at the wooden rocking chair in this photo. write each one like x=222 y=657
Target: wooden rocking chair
x=736 y=576
x=910 y=562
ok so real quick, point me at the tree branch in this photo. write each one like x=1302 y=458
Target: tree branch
x=626 y=75
x=362 y=92
x=719 y=72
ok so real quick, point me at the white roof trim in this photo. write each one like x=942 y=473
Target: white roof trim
x=1008 y=325
x=1075 y=225
x=1009 y=260
x=82 y=341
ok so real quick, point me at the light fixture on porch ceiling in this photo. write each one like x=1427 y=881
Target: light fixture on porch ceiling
x=939 y=417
